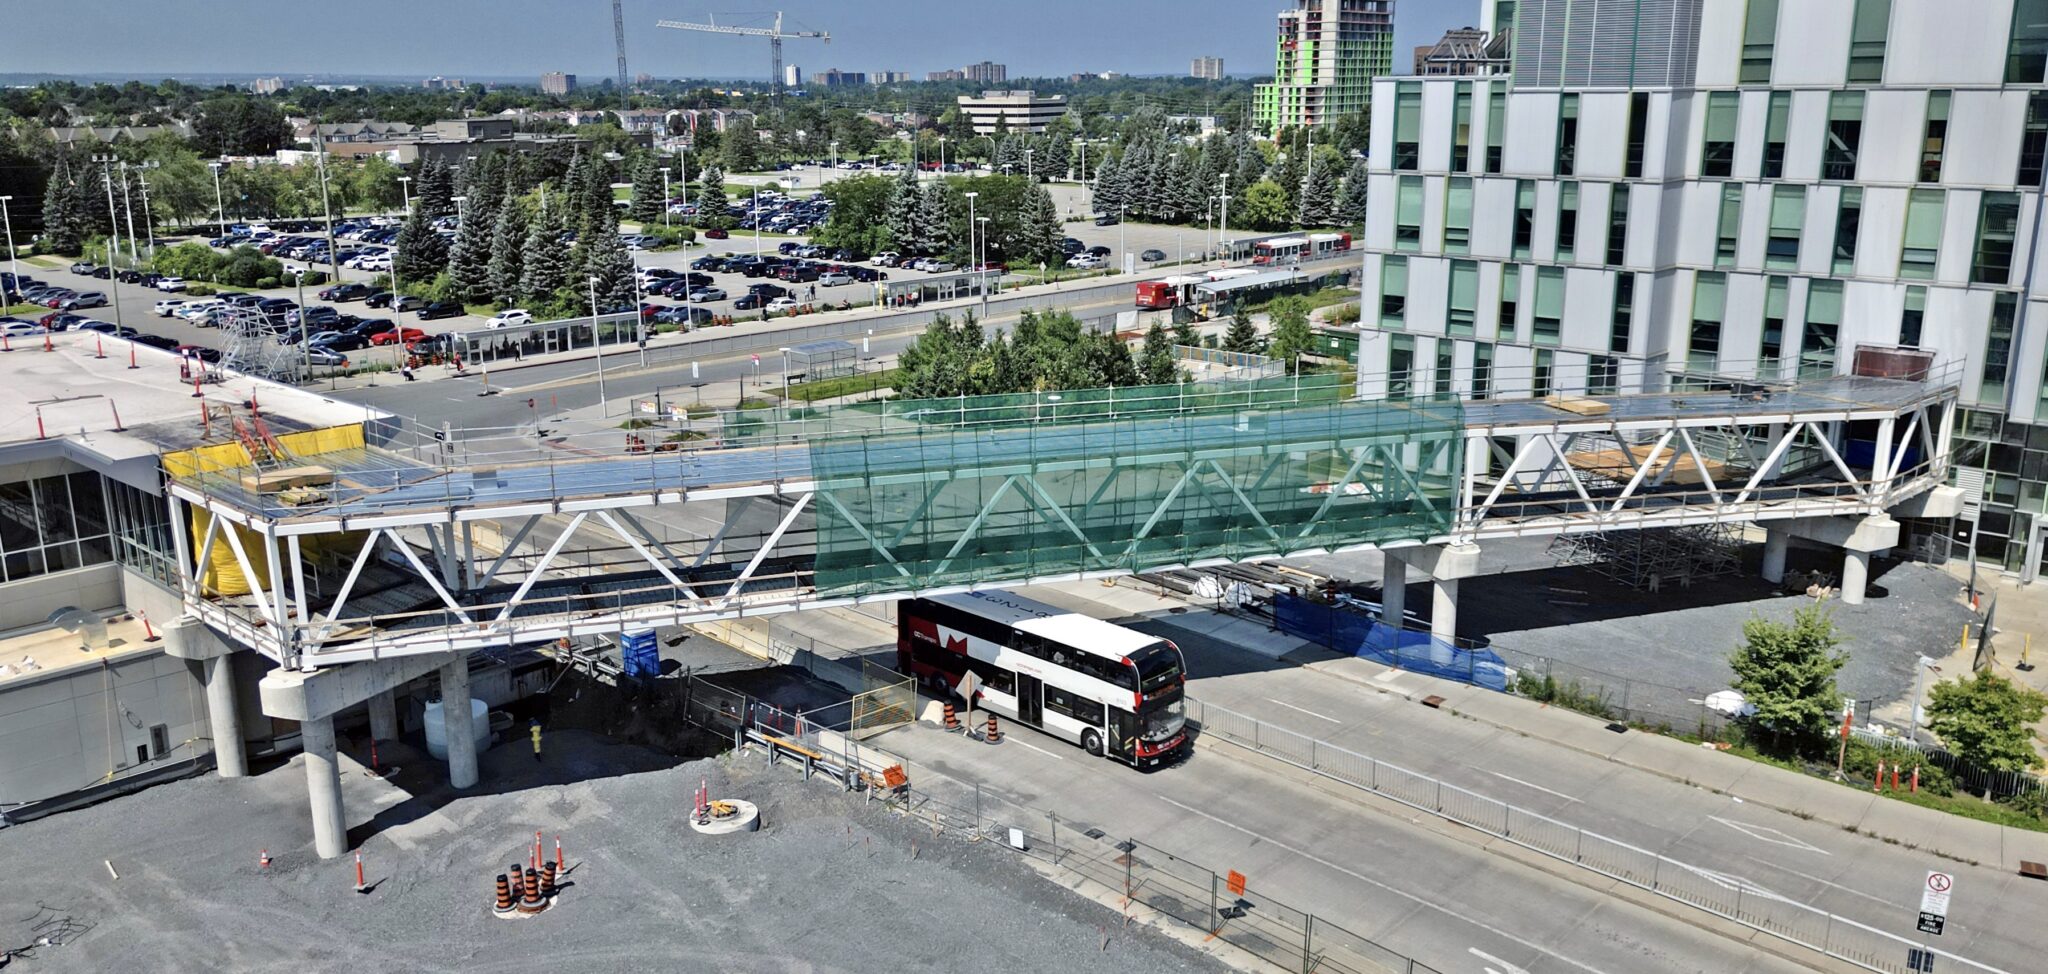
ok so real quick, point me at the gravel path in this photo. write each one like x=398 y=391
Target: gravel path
x=830 y=884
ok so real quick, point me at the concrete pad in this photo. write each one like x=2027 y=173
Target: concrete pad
x=1680 y=761
x=1955 y=836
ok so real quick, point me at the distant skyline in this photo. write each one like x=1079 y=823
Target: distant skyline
x=524 y=38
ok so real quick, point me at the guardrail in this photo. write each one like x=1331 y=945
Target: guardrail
x=1726 y=897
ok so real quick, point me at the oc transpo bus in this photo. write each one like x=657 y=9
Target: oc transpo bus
x=1116 y=692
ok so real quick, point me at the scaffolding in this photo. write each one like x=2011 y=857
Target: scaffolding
x=1648 y=559
x=251 y=348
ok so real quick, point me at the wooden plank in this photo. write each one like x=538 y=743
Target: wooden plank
x=286 y=478
x=1578 y=405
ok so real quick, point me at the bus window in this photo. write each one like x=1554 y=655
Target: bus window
x=1073 y=705
x=1158 y=667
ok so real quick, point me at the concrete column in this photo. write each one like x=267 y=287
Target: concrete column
x=1393 y=589
x=223 y=721
x=456 y=721
x=1776 y=540
x=323 y=787
x=1443 y=615
x=1855 y=575
x=384 y=716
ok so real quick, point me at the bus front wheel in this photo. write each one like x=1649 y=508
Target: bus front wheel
x=1091 y=742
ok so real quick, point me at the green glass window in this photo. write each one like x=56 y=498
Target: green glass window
x=1546 y=367
x=1936 y=136
x=1463 y=316
x=1817 y=347
x=1759 y=38
x=2034 y=139
x=1510 y=301
x=1866 y=41
x=1776 y=123
x=1848 y=220
x=1914 y=317
x=1638 y=133
x=1845 y=135
x=1461 y=127
x=1788 y=216
x=1998 y=347
x=1717 y=151
x=1408 y=214
x=1547 y=327
x=1777 y=299
x=1407 y=126
x=1618 y=328
x=1922 y=245
x=1525 y=217
x=1393 y=292
x=1729 y=228
x=1603 y=375
x=1496 y=127
x=1997 y=225
x=1617 y=225
x=1458 y=216
x=1709 y=301
x=2026 y=60
x=1482 y=370
x=1567 y=133
x=1567 y=221
x=1400 y=365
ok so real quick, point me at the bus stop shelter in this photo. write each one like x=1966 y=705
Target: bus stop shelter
x=904 y=291
x=618 y=331
x=824 y=360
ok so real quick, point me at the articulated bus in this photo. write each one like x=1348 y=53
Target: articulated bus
x=1116 y=692
x=1294 y=250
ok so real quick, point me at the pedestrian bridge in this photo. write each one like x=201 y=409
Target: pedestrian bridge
x=393 y=540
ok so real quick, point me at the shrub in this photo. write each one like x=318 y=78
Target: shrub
x=265 y=283
x=313 y=278
x=1345 y=315
x=198 y=290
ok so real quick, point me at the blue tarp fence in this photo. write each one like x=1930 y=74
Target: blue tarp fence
x=1351 y=631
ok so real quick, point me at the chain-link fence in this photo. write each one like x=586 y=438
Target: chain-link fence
x=1838 y=937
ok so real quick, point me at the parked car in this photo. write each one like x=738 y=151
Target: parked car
x=83 y=267
x=381 y=299
x=397 y=335
x=61 y=321
x=408 y=302
x=325 y=357
x=200 y=352
x=782 y=304
x=940 y=266
x=352 y=291
x=194 y=311
x=169 y=307
x=1099 y=250
x=749 y=302
x=716 y=234
x=508 y=318
x=440 y=309
x=89 y=299
x=18 y=328
x=706 y=294
x=156 y=341
x=1085 y=261
x=170 y=284
x=886 y=258
x=1153 y=255
x=834 y=278
x=371 y=327
x=345 y=341
x=1108 y=220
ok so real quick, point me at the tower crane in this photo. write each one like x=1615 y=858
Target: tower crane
x=619 y=37
x=775 y=37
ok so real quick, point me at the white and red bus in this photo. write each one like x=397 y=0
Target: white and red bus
x=1116 y=692
x=1169 y=292
x=1294 y=250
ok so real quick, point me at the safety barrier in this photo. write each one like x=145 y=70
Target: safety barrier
x=1724 y=896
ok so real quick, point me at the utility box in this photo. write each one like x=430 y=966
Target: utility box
x=640 y=653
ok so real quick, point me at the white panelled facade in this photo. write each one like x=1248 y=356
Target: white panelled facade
x=1796 y=179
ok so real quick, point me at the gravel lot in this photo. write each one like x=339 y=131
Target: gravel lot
x=828 y=885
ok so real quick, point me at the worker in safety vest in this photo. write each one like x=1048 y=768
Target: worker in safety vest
x=534 y=727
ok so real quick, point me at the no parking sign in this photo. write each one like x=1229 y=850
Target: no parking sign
x=1934 y=902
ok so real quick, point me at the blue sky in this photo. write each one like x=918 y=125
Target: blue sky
x=525 y=37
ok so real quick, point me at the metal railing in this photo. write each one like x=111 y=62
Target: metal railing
x=1731 y=899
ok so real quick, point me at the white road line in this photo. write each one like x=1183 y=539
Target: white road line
x=1404 y=894
x=1311 y=713
x=1014 y=740
x=1846 y=889
x=1531 y=784
x=1764 y=833
x=1505 y=967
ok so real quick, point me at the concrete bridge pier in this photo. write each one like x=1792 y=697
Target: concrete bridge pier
x=1393 y=588
x=1445 y=565
x=187 y=638
x=1858 y=537
x=1776 y=541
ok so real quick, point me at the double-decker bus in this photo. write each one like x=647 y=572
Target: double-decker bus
x=1116 y=692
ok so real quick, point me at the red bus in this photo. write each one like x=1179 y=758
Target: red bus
x=1116 y=692
x=1168 y=292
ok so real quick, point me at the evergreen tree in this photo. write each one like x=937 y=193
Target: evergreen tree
x=1184 y=334
x=64 y=225
x=545 y=258
x=508 y=252
x=648 y=200
x=711 y=199
x=483 y=183
x=605 y=258
x=419 y=254
x=1156 y=365
x=1243 y=336
x=1248 y=169
x=434 y=189
x=742 y=149
x=469 y=260
x=903 y=210
x=1351 y=203
x=1041 y=233
x=934 y=222
x=1291 y=337
x=571 y=196
x=1318 y=205
x=1109 y=186
x=596 y=193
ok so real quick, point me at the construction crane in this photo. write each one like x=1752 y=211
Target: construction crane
x=774 y=34
x=619 y=37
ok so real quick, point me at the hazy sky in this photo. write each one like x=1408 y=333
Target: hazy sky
x=488 y=38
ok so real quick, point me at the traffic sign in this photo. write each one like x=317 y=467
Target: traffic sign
x=1934 y=897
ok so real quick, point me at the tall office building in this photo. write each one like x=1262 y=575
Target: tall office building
x=1206 y=68
x=1751 y=187
x=557 y=83
x=1328 y=53
x=792 y=76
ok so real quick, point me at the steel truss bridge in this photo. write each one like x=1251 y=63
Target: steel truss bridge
x=431 y=541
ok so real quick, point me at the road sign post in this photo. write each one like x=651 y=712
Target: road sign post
x=1934 y=902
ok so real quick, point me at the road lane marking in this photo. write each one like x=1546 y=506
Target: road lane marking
x=1311 y=713
x=1764 y=833
x=1014 y=739
x=1531 y=784
x=1505 y=967
x=1846 y=889
x=1404 y=894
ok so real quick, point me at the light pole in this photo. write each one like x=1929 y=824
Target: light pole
x=1028 y=176
x=970 y=233
x=1122 y=210
x=1223 y=221
x=835 y=163
x=13 y=262
x=942 y=157
x=664 y=197
x=148 y=223
x=220 y=203
x=128 y=209
x=756 y=217
x=981 y=266
x=113 y=280
x=604 y=407
x=785 y=372
x=405 y=193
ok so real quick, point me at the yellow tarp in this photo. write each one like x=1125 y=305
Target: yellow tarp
x=222 y=574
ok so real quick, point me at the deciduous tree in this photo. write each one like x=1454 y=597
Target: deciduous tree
x=1987 y=720
x=1787 y=672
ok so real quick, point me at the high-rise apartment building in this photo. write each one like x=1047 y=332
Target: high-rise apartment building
x=557 y=83
x=792 y=76
x=267 y=86
x=888 y=77
x=836 y=78
x=1328 y=53
x=987 y=72
x=1206 y=68
x=1747 y=187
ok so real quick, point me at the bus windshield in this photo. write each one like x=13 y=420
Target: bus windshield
x=1158 y=667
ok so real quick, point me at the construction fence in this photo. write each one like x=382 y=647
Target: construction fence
x=1967 y=777
x=1835 y=936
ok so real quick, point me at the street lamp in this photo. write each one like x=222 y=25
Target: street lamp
x=603 y=404
x=835 y=161
x=1223 y=221
x=113 y=280
x=13 y=262
x=942 y=157
x=1122 y=210
x=128 y=208
x=148 y=224
x=664 y=196
x=220 y=204
x=981 y=266
x=785 y=372
x=970 y=237
x=1027 y=167
x=405 y=193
